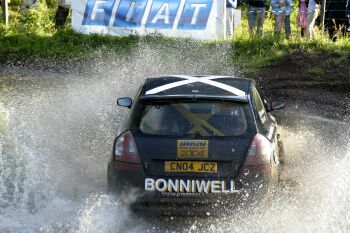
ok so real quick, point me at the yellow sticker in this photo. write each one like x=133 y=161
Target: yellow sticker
x=192 y=149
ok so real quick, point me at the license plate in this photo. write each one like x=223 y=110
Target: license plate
x=190 y=166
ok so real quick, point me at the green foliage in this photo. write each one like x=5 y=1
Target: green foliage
x=16 y=3
x=62 y=44
x=38 y=20
x=2 y=30
x=51 y=3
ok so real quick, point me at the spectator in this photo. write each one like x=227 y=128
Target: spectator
x=256 y=16
x=313 y=10
x=302 y=16
x=335 y=18
x=230 y=5
x=347 y=13
x=281 y=10
x=62 y=13
x=287 y=10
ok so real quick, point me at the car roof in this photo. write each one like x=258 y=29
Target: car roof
x=201 y=87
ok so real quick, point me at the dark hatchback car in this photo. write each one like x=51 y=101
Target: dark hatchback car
x=193 y=142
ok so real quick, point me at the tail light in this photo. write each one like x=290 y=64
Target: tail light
x=259 y=155
x=125 y=149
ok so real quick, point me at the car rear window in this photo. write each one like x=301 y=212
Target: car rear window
x=204 y=118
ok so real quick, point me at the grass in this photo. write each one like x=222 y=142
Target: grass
x=317 y=71
x=253 y=53
x=342 y=58
x=23 y=41
x=60 y=45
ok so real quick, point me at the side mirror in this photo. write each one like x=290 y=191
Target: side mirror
x=274 y=105
x=124 y=102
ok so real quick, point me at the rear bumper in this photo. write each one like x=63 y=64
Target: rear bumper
x=129 y=185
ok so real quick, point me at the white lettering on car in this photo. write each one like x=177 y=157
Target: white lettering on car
x=203 y=186
x=216 y=186
x=223 y=187
x=190 y=186
x=149 y=184
x=161 y=185
x=193 y=186
x=173 y=186
x=185 y=186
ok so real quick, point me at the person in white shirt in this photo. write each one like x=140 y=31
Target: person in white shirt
x=313 y=10
x=230 y=5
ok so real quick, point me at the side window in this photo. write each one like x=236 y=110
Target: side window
x=260 y=107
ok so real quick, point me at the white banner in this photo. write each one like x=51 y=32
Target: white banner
x=198 y=19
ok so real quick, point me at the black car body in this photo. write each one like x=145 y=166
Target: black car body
x=192 y=142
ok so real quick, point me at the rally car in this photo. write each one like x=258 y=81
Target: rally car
x=192 y=142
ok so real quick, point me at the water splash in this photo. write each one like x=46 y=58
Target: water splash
x=60 y=129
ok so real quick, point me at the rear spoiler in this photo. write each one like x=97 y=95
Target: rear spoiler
x=243 y=99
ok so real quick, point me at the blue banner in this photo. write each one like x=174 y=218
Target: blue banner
x=158 y=14
x=130 y=13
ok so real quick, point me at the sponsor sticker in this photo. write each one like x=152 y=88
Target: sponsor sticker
x=190 y=186
x=194 y=149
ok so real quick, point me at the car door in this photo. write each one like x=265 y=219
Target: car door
x=266 y=126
